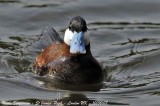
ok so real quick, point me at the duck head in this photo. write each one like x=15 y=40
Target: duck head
x=76 y=37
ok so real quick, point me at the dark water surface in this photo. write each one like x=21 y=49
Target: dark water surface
x=125 y=39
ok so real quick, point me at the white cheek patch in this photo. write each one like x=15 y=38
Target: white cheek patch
x=69 y=35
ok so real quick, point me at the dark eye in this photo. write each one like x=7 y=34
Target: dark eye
x=71 y=29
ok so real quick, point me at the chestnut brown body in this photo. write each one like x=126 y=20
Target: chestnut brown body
x=58 y=62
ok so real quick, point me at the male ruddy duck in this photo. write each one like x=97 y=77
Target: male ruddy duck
x=69 y=60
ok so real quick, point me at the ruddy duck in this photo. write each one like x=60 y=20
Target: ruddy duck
x=69 y=60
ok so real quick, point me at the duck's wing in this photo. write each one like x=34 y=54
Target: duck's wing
x=47 y=37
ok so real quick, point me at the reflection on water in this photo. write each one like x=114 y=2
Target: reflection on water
x=124 y=39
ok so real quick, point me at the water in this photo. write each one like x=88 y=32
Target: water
x=124 y=37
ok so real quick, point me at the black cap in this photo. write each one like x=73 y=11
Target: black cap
x=78 y=24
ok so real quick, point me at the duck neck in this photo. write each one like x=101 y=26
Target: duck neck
x=88 y=51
